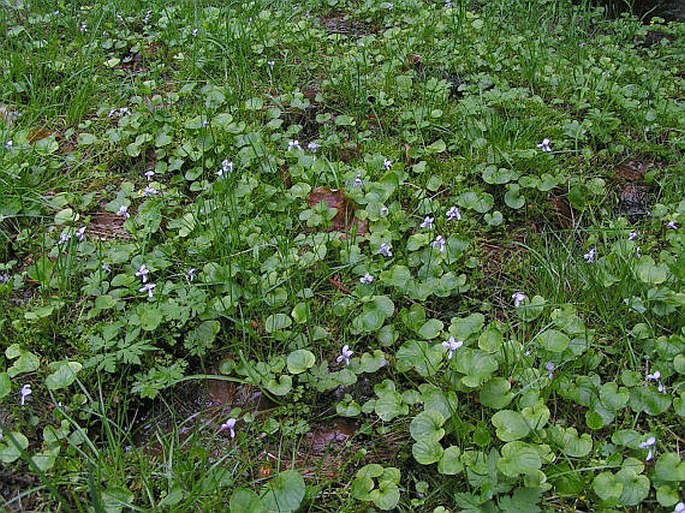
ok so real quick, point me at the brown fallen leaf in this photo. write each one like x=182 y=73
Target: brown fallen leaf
x=344 y=220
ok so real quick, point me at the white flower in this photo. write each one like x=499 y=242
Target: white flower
x=384 y=211
x=428 y=223
x=633 y=236
x=366 y=279
x=81 y=234
x=390 y=6
x=544 y=145
x=679 y=508
x=150 y=191
x=387 y=163
x=654 y=377
x=385 y=249
x=230 y=425
x=358 y=182
x=25 y=392
x=149 y=288
x=149 y=174
x=9 y=144
x=345 y=355
x=638 y=252
x=271 y=64
x=439 y=243
x=672 y=225
x=123 y=211
x=452 y=345
x=519 y=298
x=448 y=4
x=649 y=444
x=194 y=32
x=83 y=27
x=550 y=369
x=192 y=273
x=292 y=145
x=590 y=256
x=313 y=146
x=453 y=214
x=143 y=271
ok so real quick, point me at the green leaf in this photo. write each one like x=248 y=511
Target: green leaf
x=431 y=329
x=670 y=467
x=463 y=328
x=510 y=425
x=390 y=405
x=5 y=384
x=427 y=452
x=300 y=360
x=245 y=500
x=496 y=393
x=607 y=487
x=277 y=322
x=63 y=376
x=450 y=463
x=427 y=426
x=519 y=458
x=570 y=444
x=202 y=338
x=650 y=273
x=280 y=387
x=635 y=487
x=150 y=317
x=386 y=496
x=25 y=363
x=116 y=498
x=553 y=340
x=284 y=494
x=9 y=452
x=419 y=355
x=476 y=365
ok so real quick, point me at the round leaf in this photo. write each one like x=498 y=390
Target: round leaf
x=285 y=493
x=300 y=360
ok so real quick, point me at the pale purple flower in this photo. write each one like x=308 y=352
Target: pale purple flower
x=313 y=146
x=550 y=369
x=194 y=32
x=590 y=256
x=358 y=182
x=143 y=272
x=25 y=392
x=384 y=211
x=633 y=235
x=679 y=508
x=519 y=298
x=149 y=288
x=385 y=249
x=428 y=223
x=390 y=6
x=4 y=277
x=545 y=145
x=271 y=64
x=192 y=273
x=64 y=238
x=452 y=345
x=672 y=225
x=649 y=444
x=83 y=27
x=656 y=377
x=453 y=214
x=387 y=163
x=439 y=243
x=448 y=4
x=230 y=426
x=294 y=145
x=149 y=174
x=123 y=212
x=366 y=279
x=81 y=234
x=9 y=144
x=345 y=355
x=226 y=168
x=638 y=252
x=150 y=191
